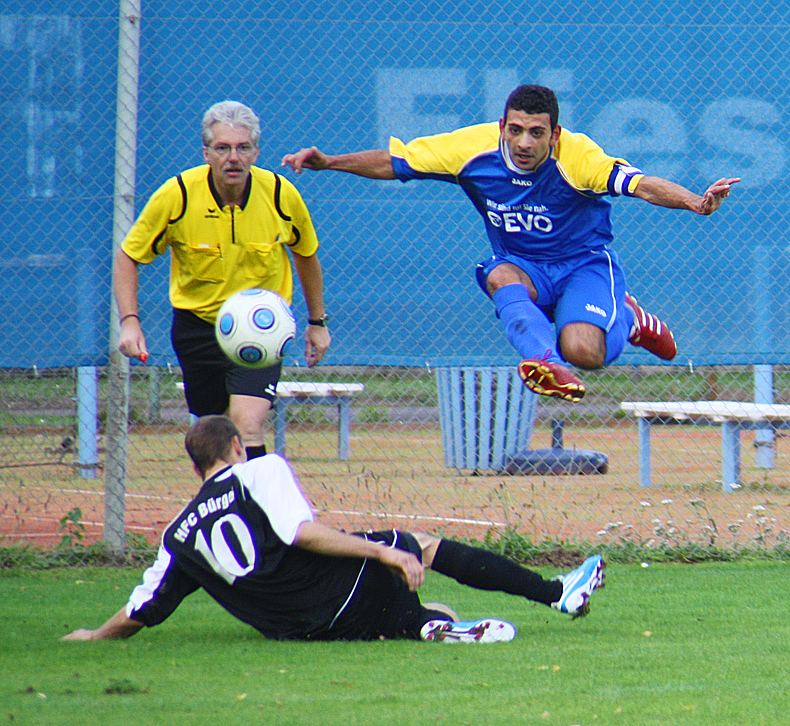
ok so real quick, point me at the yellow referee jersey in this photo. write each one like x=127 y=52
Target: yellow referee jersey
x=218 y=250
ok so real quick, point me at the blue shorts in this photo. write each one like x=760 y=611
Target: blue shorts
x=589 y=288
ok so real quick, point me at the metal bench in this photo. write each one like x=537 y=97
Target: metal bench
x=338 y=394
x=732 y=416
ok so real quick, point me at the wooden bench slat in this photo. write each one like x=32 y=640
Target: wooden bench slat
x=726 y=410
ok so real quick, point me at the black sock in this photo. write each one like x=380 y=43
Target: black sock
x=489 y=571
x=254 y=452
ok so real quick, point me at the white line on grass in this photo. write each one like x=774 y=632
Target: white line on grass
x=454 y=520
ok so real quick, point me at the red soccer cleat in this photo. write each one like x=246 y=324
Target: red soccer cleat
x=551 y=379
x=650 y=333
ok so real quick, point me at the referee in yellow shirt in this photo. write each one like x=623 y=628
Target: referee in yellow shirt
x=228 y=225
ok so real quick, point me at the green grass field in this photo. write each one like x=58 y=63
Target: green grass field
x=702 y=645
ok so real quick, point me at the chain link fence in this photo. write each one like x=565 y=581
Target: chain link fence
x=682 y=94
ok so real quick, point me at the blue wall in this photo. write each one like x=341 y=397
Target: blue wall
x=691 y=95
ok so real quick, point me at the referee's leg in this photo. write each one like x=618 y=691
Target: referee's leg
x=249 y=413
x=252 y=391
x=216 y=385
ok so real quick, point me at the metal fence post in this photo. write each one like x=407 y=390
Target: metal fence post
x=87 y=420
x=123 y=217
x=764 y=393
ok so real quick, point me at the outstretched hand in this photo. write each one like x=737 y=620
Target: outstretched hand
x=118 y=626
x=80 y=634
x=310 y=158
x=715 y=194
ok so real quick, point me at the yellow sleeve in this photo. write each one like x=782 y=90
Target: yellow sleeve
x=304 y=240
x=585 y=165
x=634 y=182
x=445 y=154
x=146 y=239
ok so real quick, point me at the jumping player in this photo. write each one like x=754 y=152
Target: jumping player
x=558 y=289
x=249 y=539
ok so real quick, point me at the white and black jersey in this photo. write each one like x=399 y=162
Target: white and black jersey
x=235 y=540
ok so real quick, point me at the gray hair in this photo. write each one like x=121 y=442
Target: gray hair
x=231 y=113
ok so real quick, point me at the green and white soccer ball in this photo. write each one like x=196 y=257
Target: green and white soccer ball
x=255 y=327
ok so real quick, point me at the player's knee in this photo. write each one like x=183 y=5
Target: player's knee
x=583 y=345
x=428 y=544
x=508 y=274
x=583 y=354
x=584 y=358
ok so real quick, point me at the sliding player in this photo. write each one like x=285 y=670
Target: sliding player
x=249 y=539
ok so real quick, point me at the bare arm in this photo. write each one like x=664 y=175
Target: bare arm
x=126 y=279
x=117 y=627
x=317 y=338
x=317 y=537
x=373 y=164
x=665 y=193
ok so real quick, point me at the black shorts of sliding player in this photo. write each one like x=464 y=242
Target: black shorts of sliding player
x=382 y=605
x=210 y=377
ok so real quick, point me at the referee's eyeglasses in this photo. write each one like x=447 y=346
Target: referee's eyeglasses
x=223 y=150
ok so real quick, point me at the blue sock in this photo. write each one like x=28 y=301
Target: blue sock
x=529 y=331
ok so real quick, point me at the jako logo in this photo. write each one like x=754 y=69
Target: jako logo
x=590 y=308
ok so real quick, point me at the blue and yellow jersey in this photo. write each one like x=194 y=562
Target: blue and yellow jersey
x=216 y=250
x=549 y=214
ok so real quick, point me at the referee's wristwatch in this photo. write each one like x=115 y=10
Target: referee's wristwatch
x=321 y=322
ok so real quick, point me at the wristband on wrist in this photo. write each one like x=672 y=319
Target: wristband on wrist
x=321 y=322
x=130 y=315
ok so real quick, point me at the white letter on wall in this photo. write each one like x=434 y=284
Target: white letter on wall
x=756 y=156
x=396 y=91
x=642 y=127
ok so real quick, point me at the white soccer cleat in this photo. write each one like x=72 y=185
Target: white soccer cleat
x=488 y=630
x=578 y=585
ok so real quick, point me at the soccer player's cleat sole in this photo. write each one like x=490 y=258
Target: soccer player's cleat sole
x=650 y=333
x=579 y=585
x=551 y=379
x=583 y=611
x=488 y=630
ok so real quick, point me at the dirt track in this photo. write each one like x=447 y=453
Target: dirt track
x=396 y=477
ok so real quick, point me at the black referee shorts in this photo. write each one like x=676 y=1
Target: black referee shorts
x=382 y=605
x=210 y=377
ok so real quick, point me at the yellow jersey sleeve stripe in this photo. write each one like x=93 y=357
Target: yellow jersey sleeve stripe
x=589 y=170
x=446 y=154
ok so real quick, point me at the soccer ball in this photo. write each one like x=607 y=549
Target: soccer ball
x=254 y=328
